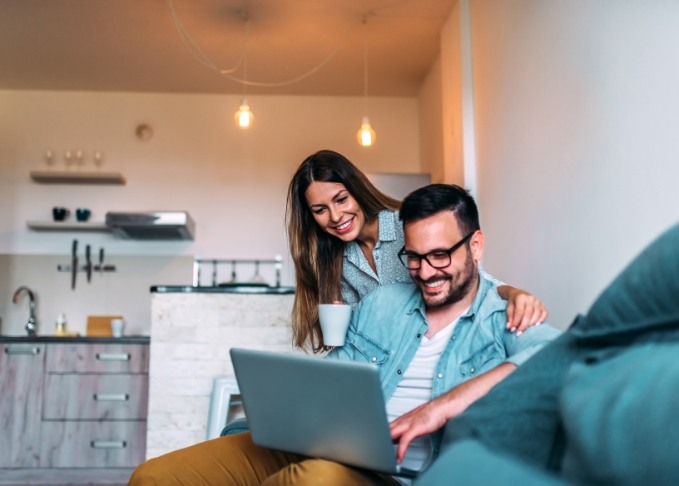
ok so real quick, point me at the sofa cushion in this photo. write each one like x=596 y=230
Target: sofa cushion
x=469 y=463
x=621 y=418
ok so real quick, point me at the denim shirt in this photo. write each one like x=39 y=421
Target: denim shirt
x=358 y=278
x=387 y=326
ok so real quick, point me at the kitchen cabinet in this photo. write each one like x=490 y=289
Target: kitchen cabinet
x=96 y=395
x=21 y=385
x=74 y=403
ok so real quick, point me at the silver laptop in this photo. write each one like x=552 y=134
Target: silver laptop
x=317 y=407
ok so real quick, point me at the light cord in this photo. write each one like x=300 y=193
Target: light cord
x=197 y=53
x=365 y=63
x=194 y=50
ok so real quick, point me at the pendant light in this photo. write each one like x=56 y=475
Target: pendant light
x=244 y=118
x=365 y=135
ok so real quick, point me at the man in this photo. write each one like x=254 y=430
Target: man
x=449 y=340
x=442 y=336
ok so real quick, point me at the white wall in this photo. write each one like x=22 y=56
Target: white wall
x=452 y=98
x=232 y=182
x=577 y=110
x=197 y=160
x=124 y=292
x=431 y=120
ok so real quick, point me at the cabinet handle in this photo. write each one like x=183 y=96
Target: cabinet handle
x=108 y=444
x=21 y=350
x=111 y=397
x=113 y=356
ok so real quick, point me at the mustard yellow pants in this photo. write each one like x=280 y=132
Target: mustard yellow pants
x=235 y=459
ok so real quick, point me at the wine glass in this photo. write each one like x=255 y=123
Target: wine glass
x=79 y=157
x=68 y=158
x=49 y=158
x=98 y=159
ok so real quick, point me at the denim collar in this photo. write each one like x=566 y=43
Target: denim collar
x=386 y=221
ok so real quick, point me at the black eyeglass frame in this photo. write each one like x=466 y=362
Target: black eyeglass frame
x=410 y=254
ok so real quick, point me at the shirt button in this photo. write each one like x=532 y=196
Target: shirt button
x=440 y=375
x=374 y=359
x=399 y=372
x=472 y=370
x=419 y=335
x=377 y=257
x=453 y=336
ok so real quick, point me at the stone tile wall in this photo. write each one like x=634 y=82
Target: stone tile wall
x=191 y=334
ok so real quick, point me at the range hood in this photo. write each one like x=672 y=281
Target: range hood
x=151 y=225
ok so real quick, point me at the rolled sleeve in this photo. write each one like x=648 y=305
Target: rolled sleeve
x=522 y=348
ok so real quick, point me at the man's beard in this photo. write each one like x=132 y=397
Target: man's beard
x=460 y=285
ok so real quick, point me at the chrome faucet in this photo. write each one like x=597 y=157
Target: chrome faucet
x=30 y=325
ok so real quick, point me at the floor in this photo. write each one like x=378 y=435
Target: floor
x=64 y=477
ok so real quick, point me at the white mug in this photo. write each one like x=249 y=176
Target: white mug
x=334 y=320
x=117 y=327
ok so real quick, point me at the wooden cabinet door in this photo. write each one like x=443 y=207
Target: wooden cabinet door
x=21 y=385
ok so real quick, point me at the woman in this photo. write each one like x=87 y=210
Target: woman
x=344 y=236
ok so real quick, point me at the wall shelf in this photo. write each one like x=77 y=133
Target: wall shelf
x=67 y=226
x=72 y=177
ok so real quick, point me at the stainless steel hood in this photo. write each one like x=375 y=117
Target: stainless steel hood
x=151 y=225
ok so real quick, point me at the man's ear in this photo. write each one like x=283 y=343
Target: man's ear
x=476 y=245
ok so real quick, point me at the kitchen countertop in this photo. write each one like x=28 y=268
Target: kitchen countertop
x=231 y=289
x=76 y=339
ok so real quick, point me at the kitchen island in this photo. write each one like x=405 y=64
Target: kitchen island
x=192 y=330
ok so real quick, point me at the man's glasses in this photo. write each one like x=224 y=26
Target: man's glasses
x=436 y=259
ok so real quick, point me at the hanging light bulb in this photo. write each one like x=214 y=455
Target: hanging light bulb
x=366 y=135
x=244 y=117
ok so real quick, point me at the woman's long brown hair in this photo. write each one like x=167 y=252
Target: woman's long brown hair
x=318 y=256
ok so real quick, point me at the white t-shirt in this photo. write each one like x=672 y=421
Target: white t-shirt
x=414 y=389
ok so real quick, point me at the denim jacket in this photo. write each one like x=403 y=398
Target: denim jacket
x=388 y=324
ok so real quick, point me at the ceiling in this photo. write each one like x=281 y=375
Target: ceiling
x=135 y=45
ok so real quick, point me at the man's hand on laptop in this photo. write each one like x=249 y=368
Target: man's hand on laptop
x=431 y=416
x=422 y=420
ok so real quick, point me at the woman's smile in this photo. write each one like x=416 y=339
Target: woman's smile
x=345 y=227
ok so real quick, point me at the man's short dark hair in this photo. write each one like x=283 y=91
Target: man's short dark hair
x=434 y=198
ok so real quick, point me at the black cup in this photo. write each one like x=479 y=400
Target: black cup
x=82 y=214
x=59 y=214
